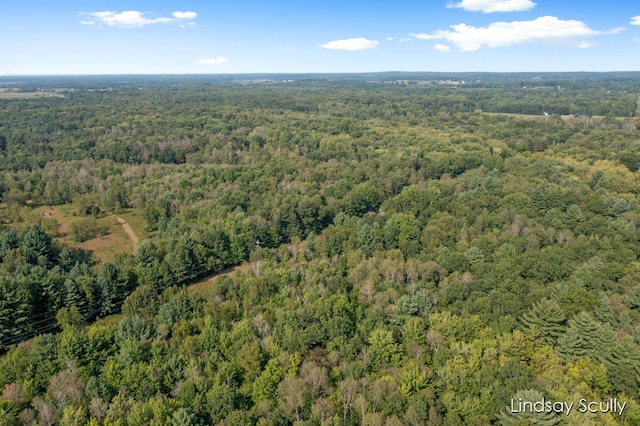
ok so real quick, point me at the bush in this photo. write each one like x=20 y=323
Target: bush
x=84 y=229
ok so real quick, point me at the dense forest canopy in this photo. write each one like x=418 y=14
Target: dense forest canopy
x=415 y=248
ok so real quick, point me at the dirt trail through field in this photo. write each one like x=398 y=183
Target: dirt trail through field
x=127 y=228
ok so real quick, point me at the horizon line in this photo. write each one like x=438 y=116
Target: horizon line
x=318 y=73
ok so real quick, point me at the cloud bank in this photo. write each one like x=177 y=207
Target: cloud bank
x=635 y=20
x=547 y=29
x=134 y=18
x=491 y=6
x=359 y=43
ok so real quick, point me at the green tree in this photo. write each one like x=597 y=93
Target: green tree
x=580 y=338
x=83 y=229
x=142 y=302
x=546 y=318
x=383 y=349
x=265 y=385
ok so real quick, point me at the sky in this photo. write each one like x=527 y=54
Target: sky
x=44 y=37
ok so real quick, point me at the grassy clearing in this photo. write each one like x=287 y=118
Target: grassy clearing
x=29 y=95
x=522 y=116
x=137 y=222
x=104 y=247
x=567 y=117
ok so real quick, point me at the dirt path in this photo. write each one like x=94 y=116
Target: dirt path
x=135 y=241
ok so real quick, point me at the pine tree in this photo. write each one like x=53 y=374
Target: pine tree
x=35 y=242
x=547 y=318
x=606 y=342
x=417 y=305
x=72 y=296
x=573 y=215
x=603 y=312
x=584 y=274
x=16 y=309
x=627 y=351
x=111 y=287
x=632 y=300
x=624 y=366
x=183 y=261
x=580 y=339
x=51 y=287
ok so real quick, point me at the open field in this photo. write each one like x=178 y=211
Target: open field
x=136 y=221
x=29 y=95
x=103 y=246
x=567 y=117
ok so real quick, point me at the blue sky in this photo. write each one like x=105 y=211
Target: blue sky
x=191 y=37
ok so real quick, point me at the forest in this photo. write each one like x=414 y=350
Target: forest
x=319 y=249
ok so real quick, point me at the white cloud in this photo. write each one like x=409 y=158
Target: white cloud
x=547 y=29
x=635 y=20
x=133 y=18
x=400 y=40
x=359 y=43
x=218 y=60
x=184 y=15
x=584 y=45
x=441 y=47
x=490 y=6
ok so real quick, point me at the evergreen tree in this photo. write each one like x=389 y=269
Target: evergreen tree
x=265 y=386
x=111 y=287
x=547 y=318
x=580 y=339
x=632 y=299
x=417 y=305
x=623 y=365
x=606 y=343
x=573 y=216
x=16 y=310
x=72 y=296
x=36 y=243
x=603 y=312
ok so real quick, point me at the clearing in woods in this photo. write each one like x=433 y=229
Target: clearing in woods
x=127 y=228
x=119 y=237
